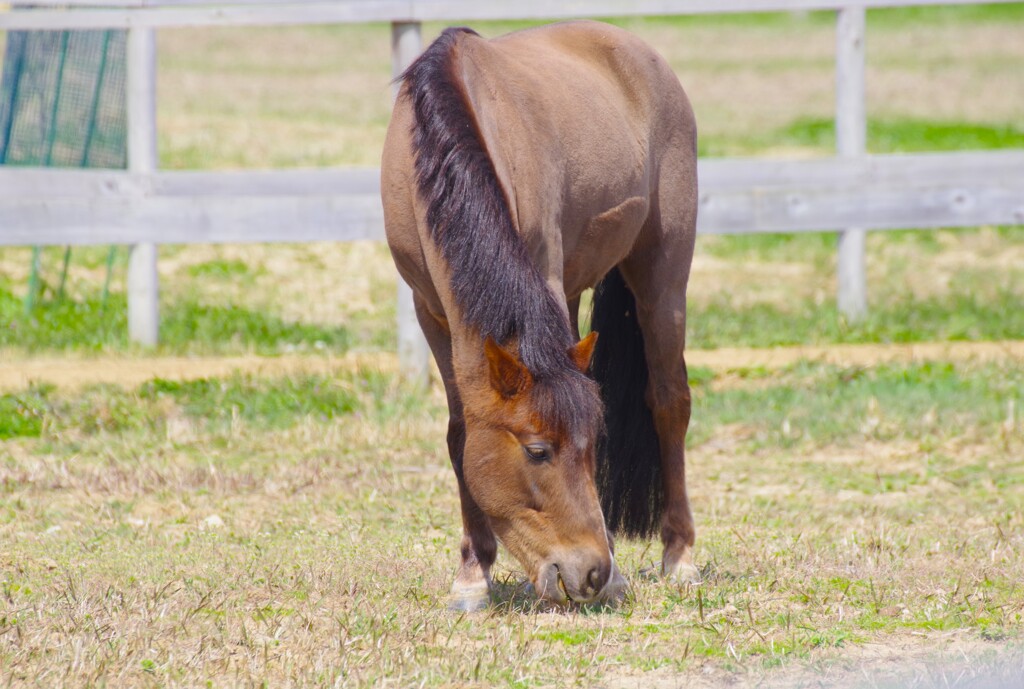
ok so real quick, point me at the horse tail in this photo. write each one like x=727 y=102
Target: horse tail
x=629 y=457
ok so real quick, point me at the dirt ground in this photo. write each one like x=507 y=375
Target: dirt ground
x=76 y=372
x=950 y=661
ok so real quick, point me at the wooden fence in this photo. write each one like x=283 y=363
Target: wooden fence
x=143 y=207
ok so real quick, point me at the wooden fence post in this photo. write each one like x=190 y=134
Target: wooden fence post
x=143 y=283
x=413 y=353
x=851 y=135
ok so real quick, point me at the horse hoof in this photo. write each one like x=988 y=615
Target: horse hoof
x=468 y=603
x=684 y=573
x=469 y=598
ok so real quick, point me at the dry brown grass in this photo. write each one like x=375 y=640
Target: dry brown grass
x=133 y=586
x=175 y=550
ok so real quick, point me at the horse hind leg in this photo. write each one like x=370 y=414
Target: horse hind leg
x=470 y=591
x=657 y=272
x=574 y=316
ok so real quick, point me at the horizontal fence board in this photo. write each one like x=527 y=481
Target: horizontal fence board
x=901 y=169
x=270 y=182
x=190 y=220
x=49 y=206
x=447 y=6
x=18 y=182
x=772 y=209
x=715 y=174
x=171 y=13
x=237 y=15
x=21 y=182
x=874 y=192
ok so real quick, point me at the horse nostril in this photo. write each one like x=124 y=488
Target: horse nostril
x=594 y=579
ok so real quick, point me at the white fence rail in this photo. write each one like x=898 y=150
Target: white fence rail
x=144 y=207
x=129 y=14
x=72 y=207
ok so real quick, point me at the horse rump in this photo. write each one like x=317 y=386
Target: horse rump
x=628 y=457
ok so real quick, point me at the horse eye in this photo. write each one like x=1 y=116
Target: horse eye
x=538 y=452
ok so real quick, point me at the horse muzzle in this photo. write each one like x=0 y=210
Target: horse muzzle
x=580 y=580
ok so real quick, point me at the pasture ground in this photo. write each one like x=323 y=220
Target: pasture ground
x=855 y=521
x=294 y=521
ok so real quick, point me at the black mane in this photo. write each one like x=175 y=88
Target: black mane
x=499 y=290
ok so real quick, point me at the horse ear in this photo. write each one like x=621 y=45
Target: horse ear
x=508 y=375
x=582 y=352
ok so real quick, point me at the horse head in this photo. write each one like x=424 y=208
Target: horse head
x=529 y=463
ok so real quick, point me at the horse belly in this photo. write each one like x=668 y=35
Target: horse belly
x=602 y=244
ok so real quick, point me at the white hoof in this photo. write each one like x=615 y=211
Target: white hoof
x=469 y=598
x=683 y=573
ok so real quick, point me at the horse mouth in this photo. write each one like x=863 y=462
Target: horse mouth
x=561 y=586
x=552 y=587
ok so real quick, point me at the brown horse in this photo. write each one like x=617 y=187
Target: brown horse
x=517 y=173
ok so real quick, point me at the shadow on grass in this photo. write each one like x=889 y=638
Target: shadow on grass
x=513 y=595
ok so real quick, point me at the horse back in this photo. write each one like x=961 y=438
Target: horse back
x=577 y=117
x=574 y=117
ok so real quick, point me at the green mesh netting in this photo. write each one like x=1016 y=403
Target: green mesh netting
x=62 y=99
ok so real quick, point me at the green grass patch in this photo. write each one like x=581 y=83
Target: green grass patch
x=212 y=403
x=87 y=323
x=21 y=415
x=888 y=135
x=815 y=247
x=222 y=268
x=281 y=402
x=276 y=405
x=977 y=306
x=805 y=404
x=567 y=637
x=822 y=405
x=956 y=317
x=978 y=309
x=819 y=248
x=898 y=17
x=908 y=135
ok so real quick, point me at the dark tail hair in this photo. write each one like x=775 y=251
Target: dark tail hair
x=629 y=462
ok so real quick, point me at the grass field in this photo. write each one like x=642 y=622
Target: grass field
x=860 y=522
x=303 y=529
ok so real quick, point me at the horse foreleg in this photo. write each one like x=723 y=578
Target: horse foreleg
x=471 y=588
x=478 y=549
